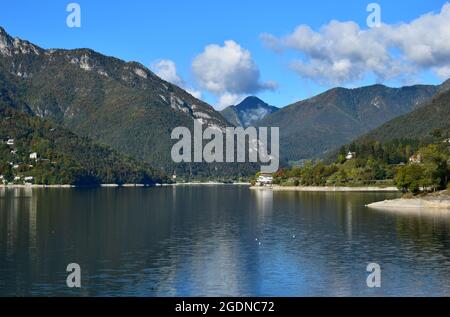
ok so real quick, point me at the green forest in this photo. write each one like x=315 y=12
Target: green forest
x=61 y=156
x=410 y=164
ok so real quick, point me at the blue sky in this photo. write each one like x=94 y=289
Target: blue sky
x=154 y=30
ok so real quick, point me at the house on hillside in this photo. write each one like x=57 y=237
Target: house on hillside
x=350 y=155
x=416 y=159
x=33 y=156
x=10 y=142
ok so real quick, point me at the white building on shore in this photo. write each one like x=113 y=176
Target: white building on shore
x=264 y=180
x=28 y=180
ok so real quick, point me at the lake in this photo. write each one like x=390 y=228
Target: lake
x=217 y=241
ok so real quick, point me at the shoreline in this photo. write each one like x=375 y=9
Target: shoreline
x=118 y=186
x=326 y=189
x=36 y=186
x=428 y=202
x=415 y=203
x=208 y=183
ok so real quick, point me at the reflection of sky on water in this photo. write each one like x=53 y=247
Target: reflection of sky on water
x=216 y=240
x=264 y=201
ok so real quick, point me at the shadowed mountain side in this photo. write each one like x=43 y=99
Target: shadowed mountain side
x=313 y=127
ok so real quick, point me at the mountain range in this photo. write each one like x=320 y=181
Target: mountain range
x=312 y=128
x=125 y=107
x=418 y=124
x=121 y=104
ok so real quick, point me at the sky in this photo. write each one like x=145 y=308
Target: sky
x=281 y=51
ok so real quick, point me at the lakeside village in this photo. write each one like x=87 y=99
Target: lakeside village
x=16 y=172
x=411 y=168
x=267 y=179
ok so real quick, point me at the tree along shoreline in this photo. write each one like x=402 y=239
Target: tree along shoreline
x=372 y=164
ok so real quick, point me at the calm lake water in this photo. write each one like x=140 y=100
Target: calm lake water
x=217 y=240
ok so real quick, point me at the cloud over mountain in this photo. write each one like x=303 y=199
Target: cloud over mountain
x=167 y=70
x=228 y=71
x=342 y=52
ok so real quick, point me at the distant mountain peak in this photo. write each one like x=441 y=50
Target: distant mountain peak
x=247 y=113
x=251 y=102
x=252 y=99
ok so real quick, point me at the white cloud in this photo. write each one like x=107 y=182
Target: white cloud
x=426 y=40
x=229 y=72
x=228 y=99
x=343 y=52
x=194 y=92
x=443 y=72
x=167 y=70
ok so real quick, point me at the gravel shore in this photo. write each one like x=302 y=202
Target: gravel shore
x=440 y=200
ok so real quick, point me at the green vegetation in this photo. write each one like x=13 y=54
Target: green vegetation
x=424 y=123
x=62 y=157
x=430 y=173
x=312 y=128
x=117 y=103
x=410 y=165
x=128 y=108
